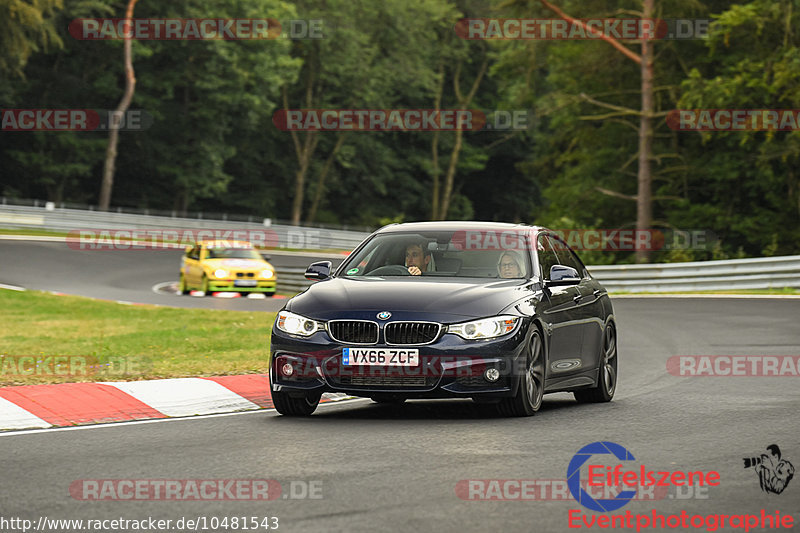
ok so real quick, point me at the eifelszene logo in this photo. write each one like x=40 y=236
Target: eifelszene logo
x=574 y=476
x=600 y=475
x=774 y=473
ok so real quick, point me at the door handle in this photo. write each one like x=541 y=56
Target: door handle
x=577 y=298
x=596 y=293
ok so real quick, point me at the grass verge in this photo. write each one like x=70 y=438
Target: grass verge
x=107 y=341
x=772 y=292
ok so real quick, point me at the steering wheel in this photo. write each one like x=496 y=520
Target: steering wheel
x=390 y=270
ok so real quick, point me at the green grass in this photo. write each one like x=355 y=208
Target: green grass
x=163 y=342
x=776 y=291
x=33 y=232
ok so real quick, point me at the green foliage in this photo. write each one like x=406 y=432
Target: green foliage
x=213 y=146
x=26 y=26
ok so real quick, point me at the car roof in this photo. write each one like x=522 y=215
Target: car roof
x=455 y=225
x=222 y=243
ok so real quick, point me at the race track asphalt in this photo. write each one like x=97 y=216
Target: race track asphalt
x=125 y=275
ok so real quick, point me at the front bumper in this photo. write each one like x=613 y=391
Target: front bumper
x=266 y=286
x=450 y=367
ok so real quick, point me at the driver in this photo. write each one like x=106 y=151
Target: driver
x=417 y=258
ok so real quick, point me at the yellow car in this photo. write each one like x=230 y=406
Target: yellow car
x=225 y=266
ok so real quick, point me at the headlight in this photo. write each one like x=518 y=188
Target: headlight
x=220 y=273
x=296 y=324
x=485 y=328
x=266 y=273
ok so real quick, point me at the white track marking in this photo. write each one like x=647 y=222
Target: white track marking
x=13 y=416
x=334 y=401
x=185 y=396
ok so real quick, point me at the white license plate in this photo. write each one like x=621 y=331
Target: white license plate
x=380 y=356
x=245 y=283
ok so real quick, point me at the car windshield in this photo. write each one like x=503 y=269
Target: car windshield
x=464 y=254
x=232 y=253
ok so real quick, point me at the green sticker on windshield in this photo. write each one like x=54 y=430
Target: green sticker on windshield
x=352 y=271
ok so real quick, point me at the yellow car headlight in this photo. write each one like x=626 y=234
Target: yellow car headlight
x=221 y=273
x=267 y=273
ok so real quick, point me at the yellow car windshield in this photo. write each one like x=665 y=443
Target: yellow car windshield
x=233 y=253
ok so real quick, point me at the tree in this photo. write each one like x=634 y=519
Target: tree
x=373 y=56
x=644 y=196
x=26 y=27
x=122 y=107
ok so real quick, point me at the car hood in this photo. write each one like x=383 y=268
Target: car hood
x=244 y=264
x=442 y=300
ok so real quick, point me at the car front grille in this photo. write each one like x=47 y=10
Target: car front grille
x=407 y=333
x=390 y=382
x=386 y=381
x=245 y=274
x=353 y=331
x=472 y=381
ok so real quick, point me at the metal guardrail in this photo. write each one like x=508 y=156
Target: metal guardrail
x=759 y=273
x=67 y=220
x=292 y=280
x=731 y=274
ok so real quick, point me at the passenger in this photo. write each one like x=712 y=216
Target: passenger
x=510 y=265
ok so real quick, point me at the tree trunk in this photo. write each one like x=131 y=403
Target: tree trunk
x=113 y=137
x=644 y=200
x=464 y=103
x=320 y=189
x=644 y=196
x=451 y=173
x=435 y=148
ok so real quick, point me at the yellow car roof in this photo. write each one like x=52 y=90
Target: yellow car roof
x=222 y=243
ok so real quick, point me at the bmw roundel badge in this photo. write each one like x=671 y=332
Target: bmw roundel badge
x=384 y=315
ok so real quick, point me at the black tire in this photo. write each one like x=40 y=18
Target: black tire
x=182 y=289
x=204 y=285
x=607 y=377
x=530 y=392
x=288 y=406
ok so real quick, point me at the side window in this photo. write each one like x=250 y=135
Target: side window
x=194 y=253
x=567 y=257
x=547 y=257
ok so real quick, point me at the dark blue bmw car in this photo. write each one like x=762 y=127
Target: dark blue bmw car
x=499 y=313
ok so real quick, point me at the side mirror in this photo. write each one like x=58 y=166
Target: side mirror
x=319 y=270
x=563 y=275
x=187 y=249
x=266 y=257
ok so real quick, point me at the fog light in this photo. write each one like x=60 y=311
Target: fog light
x=287 y=369
x=491 y=375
